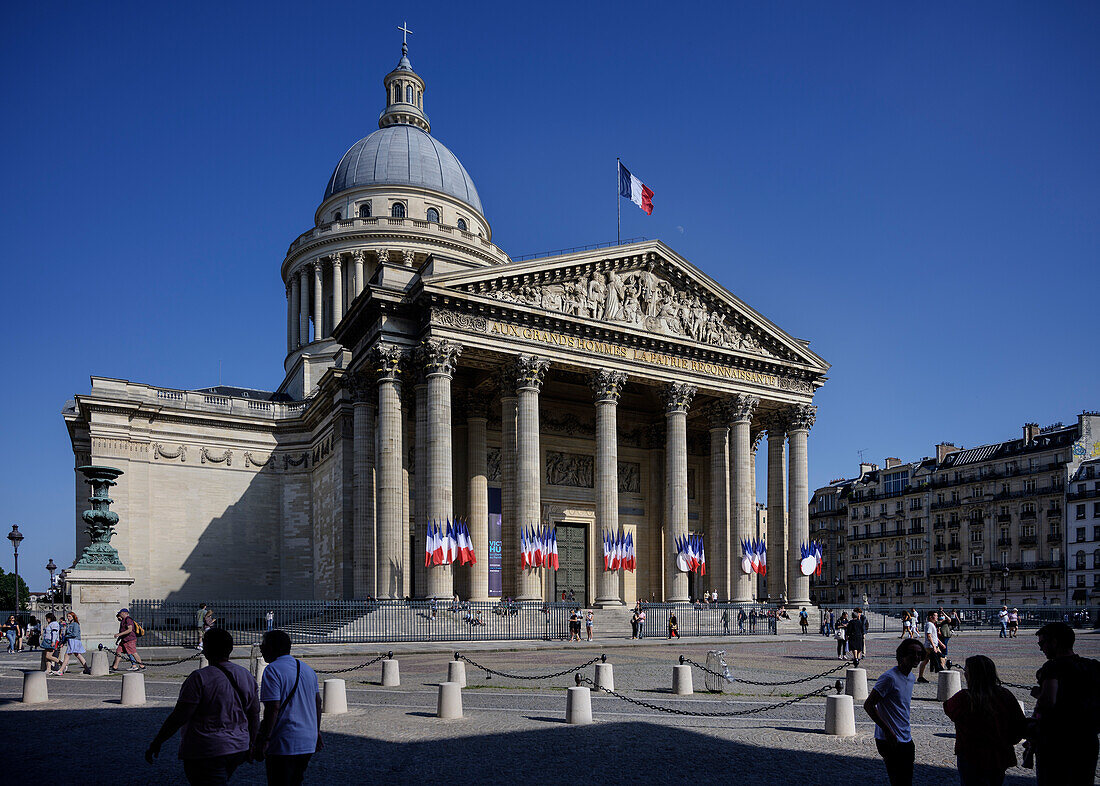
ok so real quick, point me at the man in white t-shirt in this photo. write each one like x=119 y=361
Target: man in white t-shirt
x=291 y=730
x=1002 y=616
x=888 y=705
x=933 y=647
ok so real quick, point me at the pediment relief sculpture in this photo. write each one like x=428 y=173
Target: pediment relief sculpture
x=641 y=298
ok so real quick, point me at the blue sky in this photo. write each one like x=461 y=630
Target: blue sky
x=913 y=188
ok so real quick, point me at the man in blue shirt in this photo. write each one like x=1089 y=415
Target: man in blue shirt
x=888 y=705
x=291 y=730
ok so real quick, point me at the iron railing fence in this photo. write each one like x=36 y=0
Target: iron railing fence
x=708 y=619
x=888 y=618
x=174 y=623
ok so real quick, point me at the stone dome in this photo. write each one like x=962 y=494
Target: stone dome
x=403 y=155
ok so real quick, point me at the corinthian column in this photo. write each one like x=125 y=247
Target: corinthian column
x=291 y=312
x=719 y=568
x=337 y=291
x=439 y=364
x=357 y=286
x=364 y=532
x=741 y=413
x=509 y=529
x=303 y=302
x=798 y=430
x=777 y=508
x=318 y=301
x=295 y=313
x=529 y=377
x=678 y=398
x=420 y=473
x=477 y=466
x=607 y=385
x=392 y=545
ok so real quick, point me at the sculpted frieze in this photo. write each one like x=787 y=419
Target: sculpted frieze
x=643 y=299
x=570 y=469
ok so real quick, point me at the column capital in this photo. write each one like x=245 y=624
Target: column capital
x=801 y=417
x=408 y=257
x=361 y=385
x=718 y=415
x=335 y=258
x=607 y=385
x=358 y=255
x=389 y=359
x=506 y=380
x=318 y=266
x=383 y=255
x=742 y=408
x=678 y=397
x=775 y=423
x=439 y=357
x=476 y=404
x=530 y=372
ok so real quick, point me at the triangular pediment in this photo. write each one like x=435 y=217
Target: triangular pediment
x=645 y=287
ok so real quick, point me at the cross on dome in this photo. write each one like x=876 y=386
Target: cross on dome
x=405 y=32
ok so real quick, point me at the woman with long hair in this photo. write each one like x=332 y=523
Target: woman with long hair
x=841 y=637
x=988 y=724
x=70 y=637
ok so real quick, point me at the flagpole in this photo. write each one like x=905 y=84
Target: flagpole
x=618 y=203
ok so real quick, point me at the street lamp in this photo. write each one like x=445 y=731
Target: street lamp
x=51 y=568
x=1004 y=584
x=1043 y=579
x=16 y=537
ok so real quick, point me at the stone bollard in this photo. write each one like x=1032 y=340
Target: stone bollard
x=950 y=683
x=203 y=662
x=855 y=683
x=605 y=676
x=335 y=698
x=450 y=700
x=456 y=672
x=681 y=680
x=100 y=664
x=133 y=689
x=391 y=674
x=34 y=687
x=261 y=664
x=840 y=715
x=578 y=707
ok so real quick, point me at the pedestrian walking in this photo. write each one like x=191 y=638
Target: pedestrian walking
x=588 y=619
x=291 y=729
x=944 y=626
x=634 y=620
x=840 y=634
x=752 y=620
x=1002 y=617
x=200 y=618
x=126 y=640
x=219 y=711
x=1013 y=623
x=888 y=705
x=70 y=640
x=673 y=626
x=11 y=631
x=855 y=634
x=988 y=724
x=741 y=618
x=932 y=648
x=804 y=620
x=51 y=642
x=269 y=620
x=1063 y=732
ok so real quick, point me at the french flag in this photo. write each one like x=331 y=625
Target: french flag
x=635 y=190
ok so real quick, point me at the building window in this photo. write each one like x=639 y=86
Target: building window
x=976 y=559
x=409 y=95
x=398 y=210
x=1096 y=560
x=1079 y=560
x=464 y=227
x=1096 y=533
x=895 y=482
x=396 y=93
x=337 y=216
x=882 y=510
x=364 y=210
x=433 y=215
x=1080 y=534
x=1096 y=510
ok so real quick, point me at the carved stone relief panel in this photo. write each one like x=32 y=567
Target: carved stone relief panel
x=630 y=477
x=492 y=462
x=570 y=469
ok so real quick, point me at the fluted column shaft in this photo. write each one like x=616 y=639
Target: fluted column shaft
x=295 y=328
x=420 y=488
x=777 y=510
x=719 y=567
x=477 y=465
x=358 y=283
x=509 y=531
x=741 y=585
x=337 y=291
x=291 y=313
x=364 y=534
x=802 y=420
x=440 y=358
x=678 y=399
x=318 y=301
x=607 y=386
x=391 y=529
x=303 y=304
x=529 y=377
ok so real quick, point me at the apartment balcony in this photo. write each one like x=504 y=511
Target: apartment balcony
x=939 y=525
x=1029 y=540
x=1004 y=542
x=1086 y=494
x=948 y=571
x=1027 y=515
x=1054 y=513
x=955 y=524
x=916 y=530
x=1054 y=537
x=915 y=574
x=939 y=547
x=1004 y=518
x=1040 y=564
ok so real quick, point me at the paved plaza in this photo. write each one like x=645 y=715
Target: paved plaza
x=515 y=730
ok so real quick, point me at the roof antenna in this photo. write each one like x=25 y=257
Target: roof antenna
x=861 y=452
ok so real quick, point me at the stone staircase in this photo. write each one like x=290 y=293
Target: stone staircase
x=612 y=622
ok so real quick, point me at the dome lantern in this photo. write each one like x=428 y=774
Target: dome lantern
x=404 y=93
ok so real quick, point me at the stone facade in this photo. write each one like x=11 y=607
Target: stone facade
x=611 y=391
x=982 y=526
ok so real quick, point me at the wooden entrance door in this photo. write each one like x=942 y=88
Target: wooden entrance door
x=571 y=574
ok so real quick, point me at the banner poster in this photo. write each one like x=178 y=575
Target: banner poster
x=495 y=550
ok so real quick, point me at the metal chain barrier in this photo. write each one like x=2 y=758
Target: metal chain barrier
x=371 y=662
x=1019 y=687
x=700 y=666
x=152 y=662
x=672 y=711
x=490 y=672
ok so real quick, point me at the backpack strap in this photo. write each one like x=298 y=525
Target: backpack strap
x=236 y=688
x=289 y=696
